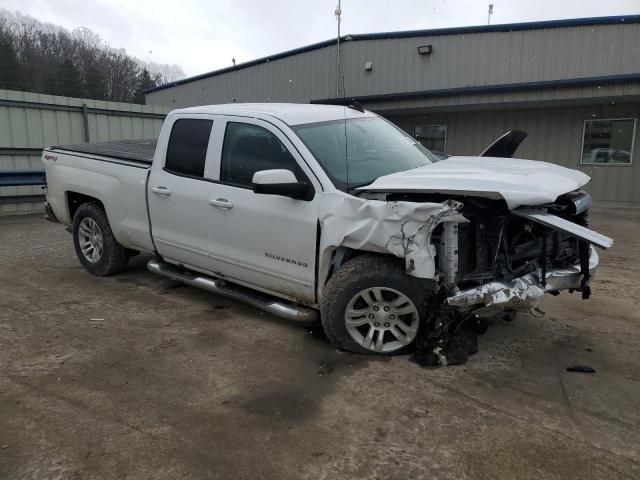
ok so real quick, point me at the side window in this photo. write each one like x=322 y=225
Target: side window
x=187 y=150
x=250 y=148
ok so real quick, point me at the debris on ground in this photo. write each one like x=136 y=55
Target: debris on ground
x=581 y=369
x=447 y=337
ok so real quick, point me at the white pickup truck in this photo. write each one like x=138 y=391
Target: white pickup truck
x=300 y=209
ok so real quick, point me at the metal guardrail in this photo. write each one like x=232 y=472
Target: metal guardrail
x=20 y=151
x=16 y=178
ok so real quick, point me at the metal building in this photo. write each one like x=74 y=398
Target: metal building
x=572 y=85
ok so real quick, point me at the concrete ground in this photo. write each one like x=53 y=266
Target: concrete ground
x=134 y=376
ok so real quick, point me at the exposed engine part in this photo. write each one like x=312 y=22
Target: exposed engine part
x=523 y=293
x=449 y=253
x=517 y=295
x=507 y=259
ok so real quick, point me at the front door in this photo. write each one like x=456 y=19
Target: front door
x=266 y=241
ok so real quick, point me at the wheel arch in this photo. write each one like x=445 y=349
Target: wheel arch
x=75 y=199
x=332 y=260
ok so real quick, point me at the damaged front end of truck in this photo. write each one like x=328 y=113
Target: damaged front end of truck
x=483 y=258
x=504 y=261
x=507 y=260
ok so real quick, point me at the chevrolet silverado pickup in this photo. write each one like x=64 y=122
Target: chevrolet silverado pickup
x=329 y=211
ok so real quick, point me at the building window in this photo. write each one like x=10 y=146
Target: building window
x=608 y=141
x=432 y=137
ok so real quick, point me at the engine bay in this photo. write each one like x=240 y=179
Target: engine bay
x=498 y=245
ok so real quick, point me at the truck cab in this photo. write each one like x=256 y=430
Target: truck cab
x=204 y=165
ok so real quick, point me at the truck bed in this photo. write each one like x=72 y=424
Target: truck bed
x=133 y=150
x=115 y=174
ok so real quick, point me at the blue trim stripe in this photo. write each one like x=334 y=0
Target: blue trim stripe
x=14 y=178
x=506 y=27
x=500 y=88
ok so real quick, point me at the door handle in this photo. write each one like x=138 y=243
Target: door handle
x=221 y=203
x=161 y=191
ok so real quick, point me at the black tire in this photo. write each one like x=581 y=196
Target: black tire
x=360 y=273
x=114 y=256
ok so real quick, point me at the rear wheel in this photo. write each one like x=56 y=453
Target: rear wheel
x=370 y=305
x=96 y=247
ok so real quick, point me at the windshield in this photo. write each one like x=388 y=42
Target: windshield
x=373 y=148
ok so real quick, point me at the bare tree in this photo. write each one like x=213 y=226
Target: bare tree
x=166 y=73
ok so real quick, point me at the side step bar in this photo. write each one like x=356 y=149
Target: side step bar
x=279 y=308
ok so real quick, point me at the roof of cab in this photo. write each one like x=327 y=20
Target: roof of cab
x=289 y=113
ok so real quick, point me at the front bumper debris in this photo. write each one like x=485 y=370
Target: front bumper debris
x=521 y=294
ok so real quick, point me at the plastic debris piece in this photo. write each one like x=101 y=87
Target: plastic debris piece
x=581 y=369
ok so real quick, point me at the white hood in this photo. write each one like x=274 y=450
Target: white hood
x=518 y=182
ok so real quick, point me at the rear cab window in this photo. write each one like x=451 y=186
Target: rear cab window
x=187 y=148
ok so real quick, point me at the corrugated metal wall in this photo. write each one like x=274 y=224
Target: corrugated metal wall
x=30 y=121
x=553 y=117
x=459 y=60
x=554 y=135
x=493 y=58
x=293 y=79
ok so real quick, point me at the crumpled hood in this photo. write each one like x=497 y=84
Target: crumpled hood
x=518 y=182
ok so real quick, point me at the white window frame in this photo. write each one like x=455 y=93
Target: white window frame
x=446 y=132
x=633 y=142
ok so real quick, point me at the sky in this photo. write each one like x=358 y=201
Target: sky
x=204 y=35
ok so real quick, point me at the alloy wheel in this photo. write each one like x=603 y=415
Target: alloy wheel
x=381 y=319
x=90 y=239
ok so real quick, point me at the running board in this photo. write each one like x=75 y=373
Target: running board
x=279 y=308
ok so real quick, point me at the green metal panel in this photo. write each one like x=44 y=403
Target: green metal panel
x=34 y=121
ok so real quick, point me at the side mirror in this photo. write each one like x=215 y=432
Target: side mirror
x=279 y=182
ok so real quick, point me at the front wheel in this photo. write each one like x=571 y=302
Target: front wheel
x=370 y=305
x=96 y=247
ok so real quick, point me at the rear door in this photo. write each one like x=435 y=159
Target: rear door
x=265 y=241
x=179 y=191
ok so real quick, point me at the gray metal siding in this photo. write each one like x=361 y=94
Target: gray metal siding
x=555 y=135
x=291 y=79
x=460 y=60
x=33 y=122
x=552 y=116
